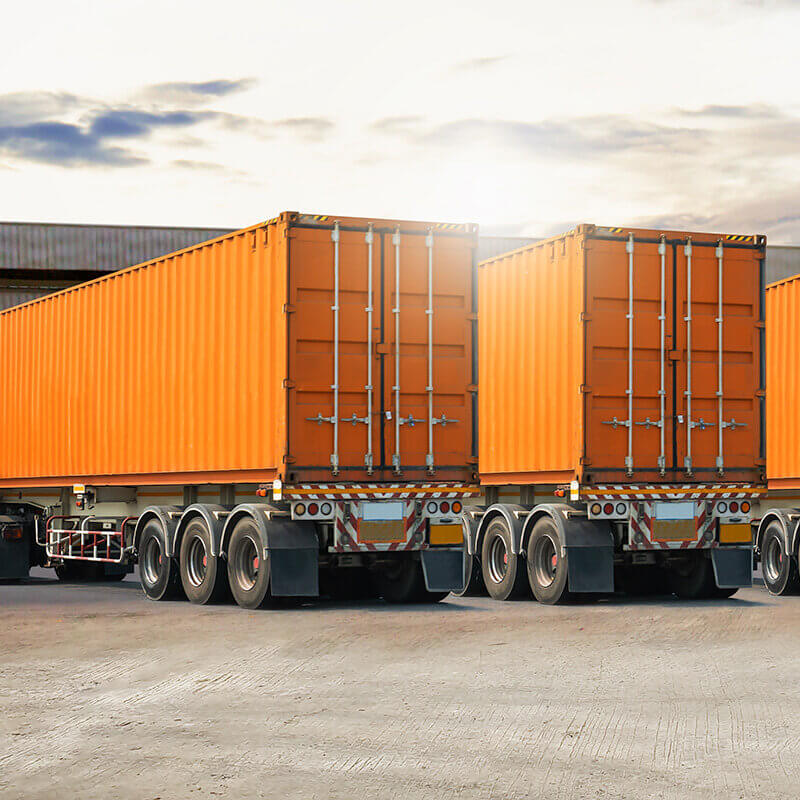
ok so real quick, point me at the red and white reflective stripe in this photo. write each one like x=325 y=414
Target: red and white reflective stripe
x=377 y=491
x=670 y=492
x=641 y=530
x=347 y=537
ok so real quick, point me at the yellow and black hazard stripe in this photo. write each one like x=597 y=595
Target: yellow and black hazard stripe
x=317 y=217
x=739 y=238
x=272 y=221
x=447 y=226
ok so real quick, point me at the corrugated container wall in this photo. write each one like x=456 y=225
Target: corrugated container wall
x=783 y=384
x=570 y=392
x=216 y=363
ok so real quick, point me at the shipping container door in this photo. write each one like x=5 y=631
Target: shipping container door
x=334 y=328
x=427 y=327
x=629 y=382
x=717 y=369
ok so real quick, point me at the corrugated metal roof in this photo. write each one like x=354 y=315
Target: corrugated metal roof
x=783 y=261
x=491 y=246
x=99 y=248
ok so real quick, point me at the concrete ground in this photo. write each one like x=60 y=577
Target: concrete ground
x=104 y=694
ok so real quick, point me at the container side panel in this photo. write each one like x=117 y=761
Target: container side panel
x=740 y=363
x=172 y=367
x=531 y=363
x=450 y=352
x=313 y=347
x=608 y=357
x=783 y=384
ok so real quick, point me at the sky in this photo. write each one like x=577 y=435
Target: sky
x=525 y=117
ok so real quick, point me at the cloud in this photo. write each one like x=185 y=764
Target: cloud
x=64 y=144
x=479 y=63
x=404 y=125
x=312 y=129
x=20 y=108
x=68 y=130
x=132 y=123
x=187 y=93
x=203 y=166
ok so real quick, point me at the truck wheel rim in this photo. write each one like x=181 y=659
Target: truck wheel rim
x=151 y=562
x=773 y=560
x=498 y=559
x=246 y=565
x=545 y=561
x=197 y=562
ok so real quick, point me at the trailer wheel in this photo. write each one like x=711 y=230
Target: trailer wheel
x=248 y=568
x=503 y=570
x=547 y=567
x=692 y=579
x=779 y=569
x=402 y=581
x=158 y=574
x=474 y=586
x=203 y=575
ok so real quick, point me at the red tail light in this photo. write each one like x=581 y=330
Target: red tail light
x=445 y=507
x=12 y=533
x=608 y=508
x=313 y=508
x=734 y=506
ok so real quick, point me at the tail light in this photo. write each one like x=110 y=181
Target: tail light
x=734 y=507
x=457 y=507
x=745 y=507
x=445 y=507
x=597 y=509
x=12 y=533
x=313 y=509
x=608 y=508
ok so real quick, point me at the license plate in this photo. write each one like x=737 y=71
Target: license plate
x=382 y=522
x=382 y=512
x=674 y=522
x=674 y=511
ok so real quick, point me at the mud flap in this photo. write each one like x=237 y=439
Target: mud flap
x=294 y=573
x=443 y=570
x=733 y=567
x=590 y=569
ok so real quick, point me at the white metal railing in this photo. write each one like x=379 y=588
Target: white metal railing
x=75 y=538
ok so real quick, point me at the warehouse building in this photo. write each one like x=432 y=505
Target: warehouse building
x=39 y=258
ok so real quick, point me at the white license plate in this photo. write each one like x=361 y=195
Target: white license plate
x=674 y=511
x=382 y=512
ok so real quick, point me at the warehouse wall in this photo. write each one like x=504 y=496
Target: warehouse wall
x=39 y=258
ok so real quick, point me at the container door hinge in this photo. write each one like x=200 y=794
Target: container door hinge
x=586 y=316
x=288 y=308
x=288 y=384
x=585 y=388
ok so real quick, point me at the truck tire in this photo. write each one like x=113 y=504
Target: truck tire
x=779 y=570
x=474 y=587
x=503 y=570
x=203 y=575
x=248 y=570
x=692 y=579
x=159 y=575
x=403 y=581
x=547 y=567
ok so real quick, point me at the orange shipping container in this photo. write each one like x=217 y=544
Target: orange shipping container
x=268 y=353
x=613 y=355
x=783 y=373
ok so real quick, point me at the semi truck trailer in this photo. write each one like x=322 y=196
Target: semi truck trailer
x=777 y=539
x=284 y=411
x=621 y=411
